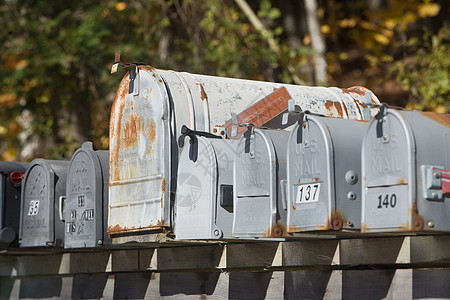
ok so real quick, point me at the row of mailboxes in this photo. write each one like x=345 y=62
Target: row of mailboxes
x=324 y=175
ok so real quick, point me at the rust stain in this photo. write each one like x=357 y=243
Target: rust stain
x=299 y=180
x=117 y=229
x=117 y=113
x=163 y=189
x=357 y=107
x=338 y=107
x=262 y=111
x=402 y=181
x=146 y=68
x=293 y=206
x=277 y=230
x=316 y=179
x=152 y=131
x=203 y=94
x=293 y=229
x=112 y=229
x=345 y=109
x=335 y=221
x=130 y=132
x=416 y=218
x=364 y=228
x=443 y=119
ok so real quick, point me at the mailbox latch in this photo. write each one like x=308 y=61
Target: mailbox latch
x=192 y=134
x=436 y=183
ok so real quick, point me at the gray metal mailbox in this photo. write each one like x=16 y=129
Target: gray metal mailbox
x=86 y=205
x=404 y=158
x=204 y=196
x=324 y=174
x=259 y=176
x=10 y=187
x=43 y=191
x=150 y=107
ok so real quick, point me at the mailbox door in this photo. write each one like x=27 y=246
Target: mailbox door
x=140 y=136
x=388 y=171
x=310 y=178
x=37 y=225
x=196 y=193
x=84 y=203
x=254 y=187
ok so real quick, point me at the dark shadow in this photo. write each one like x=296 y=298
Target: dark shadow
x=39 y=264
x=40 y=287
x=249 y=285
x=90 y=262
x=6 y=286
x=431 y=284
x=88 y=286
x=200 y=283
x=306 y=284
x=366 y=284
x=131 y=285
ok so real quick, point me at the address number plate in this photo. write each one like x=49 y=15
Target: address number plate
x=307 y=193
x=33 y=209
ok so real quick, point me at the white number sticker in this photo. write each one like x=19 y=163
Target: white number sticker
x=34 y=208
x=307 y=193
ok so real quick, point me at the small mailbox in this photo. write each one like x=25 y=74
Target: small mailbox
x=324 y=171
x=87 y=199
x=204 y=197
x=404 y=158
x=43 y=192
x=10 y=183
x=259 y=183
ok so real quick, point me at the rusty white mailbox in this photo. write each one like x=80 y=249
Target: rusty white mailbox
x=10 y=188
x=404 y=158
x=43 y=192
x=204 y=197
x=149 y=109
x=86 y=203
x=324 y=174
x=259 y=184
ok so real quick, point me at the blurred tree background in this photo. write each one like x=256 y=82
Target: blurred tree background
x=56 y=89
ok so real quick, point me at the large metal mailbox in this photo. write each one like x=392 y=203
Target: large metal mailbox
x=204 y=197
x=10 y=187
x=86 y=203
x=43 y=192
x=259 y=184
x=324 y=174
x=404 y=154
x=149 y=109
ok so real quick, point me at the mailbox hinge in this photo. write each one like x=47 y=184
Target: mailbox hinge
x=436 y=183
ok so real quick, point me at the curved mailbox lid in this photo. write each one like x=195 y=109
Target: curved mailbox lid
x=10 y=188
x=197 y=204
x=324 y=190
x=44 y=183
x=85 y=198
x=388 y=172
x=258 y=211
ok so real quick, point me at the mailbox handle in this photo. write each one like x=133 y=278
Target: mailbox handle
x=61 y=207
x=436 y=182
x=192 y=134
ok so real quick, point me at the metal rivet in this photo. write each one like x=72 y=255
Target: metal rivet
x=99 y=242
x=351 y=196
x=214 y=130
x=384 y=137
x=436 y=175
x=216 y=232
x=430 y=224
x=306 y=143
x=349 y=223
x=434 y=195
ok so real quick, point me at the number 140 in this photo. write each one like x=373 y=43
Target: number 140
x=387 y=201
